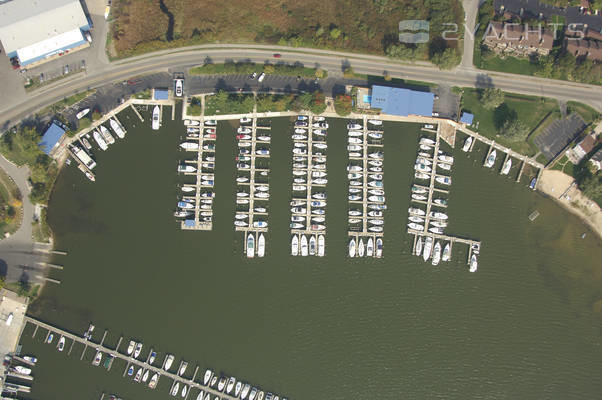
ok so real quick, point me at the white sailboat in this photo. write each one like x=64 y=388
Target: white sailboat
x=352 y=248
x=261 y=245
x=507 y=166
x=303 y=246
x=446 y=252
x=428 y=246
x=370 y=247
x=436 y=253
x=295 y=245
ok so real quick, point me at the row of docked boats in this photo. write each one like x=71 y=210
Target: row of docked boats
x=427 y=163
x=308 y=203
x=200 y=137
x=233 y=388
x=366 y=194
x=372 y=247
x=302 y=246
x=430 y=248
x=253 y=188
x=491 y=157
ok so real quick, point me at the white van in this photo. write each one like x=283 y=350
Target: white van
x=261 y=77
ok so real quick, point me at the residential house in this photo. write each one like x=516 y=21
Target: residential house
x=597 y=159
x=518 y=39
x=581 y=149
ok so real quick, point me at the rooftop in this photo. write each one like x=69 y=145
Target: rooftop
x=403 y=102
x=51 y=137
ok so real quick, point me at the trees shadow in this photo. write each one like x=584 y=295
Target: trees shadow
x=502 y=114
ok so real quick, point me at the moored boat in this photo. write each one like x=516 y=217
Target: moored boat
x=491 y=159
x=61 y=345
x=156 y=119
x=467 y=144
x=312 y=245
x=370 y=247
x=250 y=246
x=507 y=166
x=418 y=248
x=97 y=359
x=168 y=361
x=153 y=382
x=130 y=348
x=436 y=253
x=446 y=252
x=261 y=245
x=379 y=248
x=428 y=247
x=117 y=128
x=106 y=135
x=230 y=385
x=138 y=376
x=176 y=388
x=99 y=140
x=473 y=263
x=360 y=248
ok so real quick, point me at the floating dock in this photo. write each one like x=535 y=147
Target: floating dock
x=253 y=191
x=182 y=381
x=370 y=152
x=202 y=194
x=309 y=172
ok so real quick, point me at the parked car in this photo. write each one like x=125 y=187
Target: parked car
x=261 y=77
x=277 y=55
x=65 y=69
x=253 y=75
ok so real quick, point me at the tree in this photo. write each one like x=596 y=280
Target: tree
x=514 y=130
x=268 y=69
x=318 y=102
x=447 y=59
x=335 y=33
x=342 y=104
x=492 y=98
x=319 y=73
x=592 y=186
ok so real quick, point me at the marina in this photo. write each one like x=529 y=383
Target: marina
x=206 y=386
x=253 y=187
x=427 y=217
x=366 y=195
x=195 y=208
x=308 y=203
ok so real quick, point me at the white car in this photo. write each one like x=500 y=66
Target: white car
x=429 y=126
x=179 y=87
x=261 y=77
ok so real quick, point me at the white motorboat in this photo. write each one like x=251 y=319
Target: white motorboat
x=375 y=163
x=427 y=141
x=186 y=168
x=376 y=155
x=425 y=147
x=117 y=128
x=436 y=253
x=379 y=248
x=360 y=248
x=352 y=248
x=319 y=118
x=295 y=245
x=418 y=248
x=261 y=245
x=377 y=199
x=420 y=197
x=491 y=159
x=320 y=146
x=82 y=113
x=473 y=263
x=355 y=213
x=97 y=358
x=132 y=345
x=354 y=197
x=353 y=126
x=137 y=350
x=319 y=196
x=444 y=180
x=354 y=140
x=237 y=389
x=106 y=135
x=189 y=145
x=156 y=118
x=370 y=247
x=230 y=385
x=354 y=220
x=416 y=219
x=440 y=202
x=245 y=120
x=422 y=167
x=415 y=226
x=99 y=140
x=300 y=130
x=175 y=389
x=312 y=245
x=467 y=144
x=61 y=344
x=264 y=138
x=182 y=369
x=376 y=222
x=194 y=122
x=22 y=370
x=321 y=245
x=421 y=175
x=138 y=375
x=145 y=376
x=428 y=247
x=375 y=228
x=303 y=246
x=222 y=383
x=253 y=393
x=445 y=158
x=355 y=133
x=376 y=122
x=299 y=137
x=507 y=166
x=184 y=391
x=438 y=215
x=376 y=184
x=168 y=361
x=446 y=252
x=207 y=377
x=188 y=189
x=438 y=224
x=436 y=230
x=250 y=247
x=153 y=382
x=354 y=147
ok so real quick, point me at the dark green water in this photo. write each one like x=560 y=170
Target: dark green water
x=311 y=328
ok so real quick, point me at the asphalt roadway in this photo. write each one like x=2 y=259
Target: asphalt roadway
x=334 y=62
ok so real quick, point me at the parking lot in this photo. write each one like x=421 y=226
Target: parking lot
x=558 y=135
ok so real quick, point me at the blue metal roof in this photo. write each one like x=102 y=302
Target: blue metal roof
x=467 y=118
x=51 y=137
x=403 y=102
x=161 y=94
x=189 y=222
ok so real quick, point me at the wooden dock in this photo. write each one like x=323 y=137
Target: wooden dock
x=368 y=146
x=303 y=198
x=190 y=383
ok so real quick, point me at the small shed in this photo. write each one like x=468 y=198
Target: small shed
x=51 y=137
x=467 y=118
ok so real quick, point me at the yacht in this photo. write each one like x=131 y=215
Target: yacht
x=153 y=382
x=99 y=140
x=182 y=369
x=446 y=252
x=250 y=248
x=156 y=115
x=61 y=345
x=436 y=253
x=230 y=385
x=415 y=226
x=444 y=180
x=176 y=387
x=117 y=128
x=261 y=245
x=189 y=145
x=473 y=263
x=379 y=248
x=207 y=377
x=360 y=248
x=304 y=251
x=106 y=135
x=130 y=348
x=352 y=248
x=370 y=247
x=138 y=375
x=295 y=245
x=491 y=159
x=507 y=166
x=428 y=246
x=168 y=361
x=97 y=359
x=418 y=248
x=321 y=245
x=467 y=144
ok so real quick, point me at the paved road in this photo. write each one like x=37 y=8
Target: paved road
x=471 y=9
x=333 y=61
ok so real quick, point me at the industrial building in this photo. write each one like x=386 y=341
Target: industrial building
x=402 y=102
x=34 y=31
x=51 y=137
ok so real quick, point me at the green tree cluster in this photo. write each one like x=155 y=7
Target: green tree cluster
x=343 y=104
x=491 y=98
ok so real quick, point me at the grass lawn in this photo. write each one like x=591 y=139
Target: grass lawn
x=565 y=166
x=510 y=65
x=249 y=68
x=530 y=110
x=588 y=114
x=11 y=209
x=66 y=102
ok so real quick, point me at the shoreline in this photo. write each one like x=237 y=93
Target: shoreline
x=563 y=190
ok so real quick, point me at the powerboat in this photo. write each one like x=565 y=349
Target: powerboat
x=428 y=247
x=446 y=252
x=184 y=391
x=131 y=370
x=261 y=245
x=168 y=361
x=295 y=245
x=421 y=175
x=207 y=377
x=427 y=141
x=473 y=263
x=436 y=230
x=182 y=369
x=222 y=383
x=186 y=168
x=376 y=122
x=352 y=248
x=418 y=197
x=445 y=158
x=99 y=140
x=132 y=345
x=312 y=245
x=250 y=248
x=370 y=247
x=175 y=389
x=117 y=128
x=445 y=167
x=189 y=145
x=188 y=189
x=153 y=382
x=418 y=248
x=321 y=245
x=379 y=248
x=507 y=166
x=82 y=113
x=138 y=375
x=304 y=246
x=22 y=370
x=145 y=376
x=438 y=215
x=106 y=135
x=200 y=395
x=152 y=357
x=245 y=391
x=354 y=126
x=444 y=180
x=415 y=226
x=416 y=219
x=97 y=359
x=156 y=117
x=360 y=248
x=61 y=345
x=467 y=144
x=230 y=385
x=237 y=389
x=491 y=159
x=436 y=253
x=194 y=122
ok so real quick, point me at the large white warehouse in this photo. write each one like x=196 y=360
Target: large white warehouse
x=34 y=30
